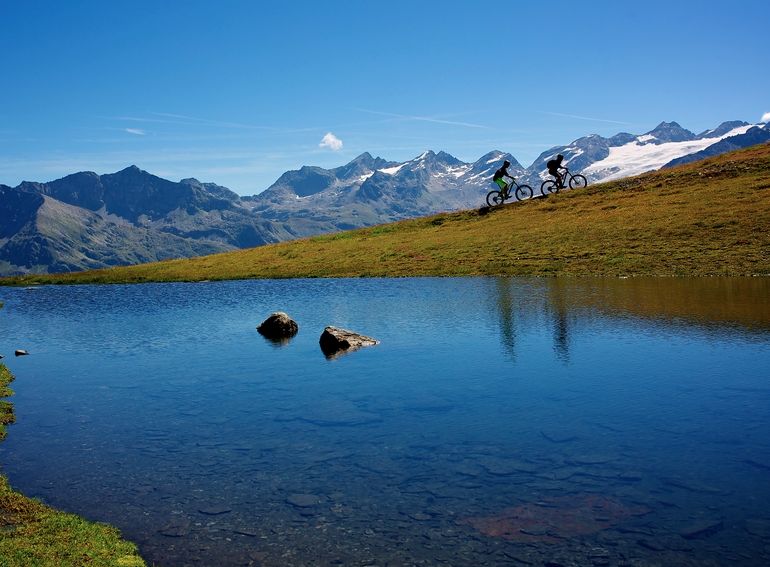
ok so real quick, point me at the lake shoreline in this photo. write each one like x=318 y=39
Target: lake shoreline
x=33 y=532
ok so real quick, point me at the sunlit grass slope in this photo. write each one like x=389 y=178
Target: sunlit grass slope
x=31 y=533
x=706 y=218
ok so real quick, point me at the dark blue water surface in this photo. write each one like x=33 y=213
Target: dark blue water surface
x=500 y=421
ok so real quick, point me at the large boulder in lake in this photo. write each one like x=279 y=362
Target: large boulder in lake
x=335 y=340
x=278 y=327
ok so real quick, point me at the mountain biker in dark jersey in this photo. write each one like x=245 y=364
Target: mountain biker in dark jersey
x=498 y=177
x=553 y=168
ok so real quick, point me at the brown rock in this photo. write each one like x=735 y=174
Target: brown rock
x=334 y=340
x=278 y=327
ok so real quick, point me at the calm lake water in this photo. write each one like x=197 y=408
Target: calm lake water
x=499 y=422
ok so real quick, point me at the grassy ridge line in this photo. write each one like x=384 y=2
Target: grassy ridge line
x=31 y=533
x=706 y=218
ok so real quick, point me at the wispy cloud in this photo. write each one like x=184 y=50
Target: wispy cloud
x=589 y=118
x=331 y=141
x=208 y=122
x=434 y=120
x=136 y=131
x=765 y=117
x=183 y=120
x=202 y=124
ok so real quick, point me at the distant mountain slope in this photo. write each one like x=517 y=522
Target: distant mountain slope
x=604 y=159
x=704 y=218
x=85 y=221
x=133 y=216
x=727 y=143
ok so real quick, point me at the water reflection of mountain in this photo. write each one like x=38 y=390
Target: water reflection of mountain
x=559 y=306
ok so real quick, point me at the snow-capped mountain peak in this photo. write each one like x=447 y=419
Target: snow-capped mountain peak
x=653 y=150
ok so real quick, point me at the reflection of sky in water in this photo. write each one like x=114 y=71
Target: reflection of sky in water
x=160 y=409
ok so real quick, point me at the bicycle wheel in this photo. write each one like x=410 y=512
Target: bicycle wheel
x=577 y=182
x=523 y=192
x=494 y=198
x=549 y=186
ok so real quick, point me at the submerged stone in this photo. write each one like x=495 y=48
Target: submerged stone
x=555 y=519
x=303 y=500
x=214 y=510
x=702 y=529
x=176 y=528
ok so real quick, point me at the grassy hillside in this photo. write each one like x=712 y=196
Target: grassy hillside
x=706 y=218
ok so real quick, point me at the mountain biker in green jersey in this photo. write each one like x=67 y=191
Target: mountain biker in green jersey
x=500 y=174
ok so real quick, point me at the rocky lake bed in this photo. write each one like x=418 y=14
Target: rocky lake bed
x=502 y=422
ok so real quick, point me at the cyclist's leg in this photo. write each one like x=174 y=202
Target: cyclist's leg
x=555 y=175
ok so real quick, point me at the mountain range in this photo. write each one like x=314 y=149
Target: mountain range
x=84 y=220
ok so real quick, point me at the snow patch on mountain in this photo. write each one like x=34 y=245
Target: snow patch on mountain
x=638 y=157
x=393 y=170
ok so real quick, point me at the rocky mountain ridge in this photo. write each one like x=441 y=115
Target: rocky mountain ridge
x=85 y=220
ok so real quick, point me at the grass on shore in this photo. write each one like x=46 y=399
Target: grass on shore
x=32 y=533
x=706 y=218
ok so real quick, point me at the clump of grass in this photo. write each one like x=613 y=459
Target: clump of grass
x=704 y=218
x=32 y=533
x=6 y=408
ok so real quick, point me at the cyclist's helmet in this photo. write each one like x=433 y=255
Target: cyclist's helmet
x=506 y=163
x=560 y=157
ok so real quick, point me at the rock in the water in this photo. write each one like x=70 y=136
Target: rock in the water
x=334 y=340
x=303 y=500
x=702 y=528
x=20 y=352
x=177 y=527
x=279 y=326
x=215 y=510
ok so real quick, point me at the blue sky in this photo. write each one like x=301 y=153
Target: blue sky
x=237 y=92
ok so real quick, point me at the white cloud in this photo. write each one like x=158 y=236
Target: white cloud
x=136 y=131
x=765 y=117
x=331 y=141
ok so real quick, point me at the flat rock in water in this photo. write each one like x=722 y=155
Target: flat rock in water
x=559 y=437
x=21 y=352
x=701 y=529
x=278 y=326
x=176 y=528
x=214 y=510
x=303 y=500
x=692 y=486
x=338 y=413
x=758 y=527
x=335 y=340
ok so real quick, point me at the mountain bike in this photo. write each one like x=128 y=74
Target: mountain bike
x=575 y=181
x=496 y=197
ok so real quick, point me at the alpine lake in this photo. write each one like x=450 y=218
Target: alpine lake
x=500 y=421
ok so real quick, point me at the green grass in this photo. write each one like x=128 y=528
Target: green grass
x=707 y=218
x=33 y=534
